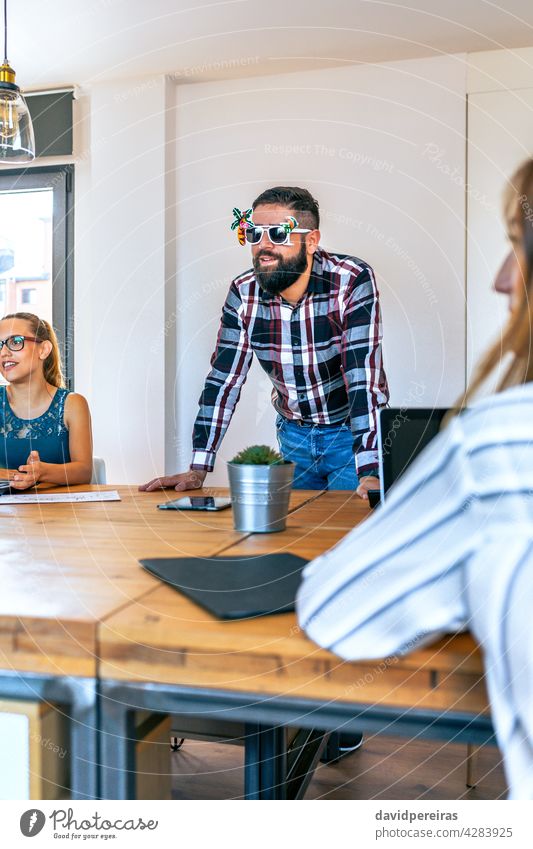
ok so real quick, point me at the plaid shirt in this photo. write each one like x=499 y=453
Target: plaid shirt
x=323 y=356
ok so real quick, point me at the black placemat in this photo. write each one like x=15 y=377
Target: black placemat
x=234 y=587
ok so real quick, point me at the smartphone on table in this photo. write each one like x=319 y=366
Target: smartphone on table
x=197 y=502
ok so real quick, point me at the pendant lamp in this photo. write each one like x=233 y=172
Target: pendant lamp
x=17 y=143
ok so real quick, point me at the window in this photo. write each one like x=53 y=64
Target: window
x=29 y=296
x=36 y=248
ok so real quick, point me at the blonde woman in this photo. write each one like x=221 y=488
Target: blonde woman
x=452 y=547
x=45 y=430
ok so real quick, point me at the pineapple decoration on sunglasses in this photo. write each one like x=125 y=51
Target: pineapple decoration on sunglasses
x=243 y=221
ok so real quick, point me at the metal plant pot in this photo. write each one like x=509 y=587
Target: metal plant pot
x=260 y=496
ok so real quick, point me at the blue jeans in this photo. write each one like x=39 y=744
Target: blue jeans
x=323 y=456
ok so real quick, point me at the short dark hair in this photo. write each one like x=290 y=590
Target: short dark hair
x=295 y=198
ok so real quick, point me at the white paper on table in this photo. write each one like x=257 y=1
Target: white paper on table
x=59 y=497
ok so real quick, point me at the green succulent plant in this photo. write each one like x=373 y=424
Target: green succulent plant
x=258 y=455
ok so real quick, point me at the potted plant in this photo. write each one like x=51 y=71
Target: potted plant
x=260 y=483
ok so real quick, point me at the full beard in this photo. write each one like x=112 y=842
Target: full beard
x=284 y=275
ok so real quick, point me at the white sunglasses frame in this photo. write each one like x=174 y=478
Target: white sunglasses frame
x=266 y=227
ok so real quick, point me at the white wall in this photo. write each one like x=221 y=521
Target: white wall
x=383 y=149
x=120 y=274
x=500 y=137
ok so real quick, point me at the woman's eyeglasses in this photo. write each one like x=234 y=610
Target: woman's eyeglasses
x=278 y=234
x=16 y=343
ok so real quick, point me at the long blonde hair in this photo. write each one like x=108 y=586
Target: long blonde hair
x=44 y=332
x=517 y=336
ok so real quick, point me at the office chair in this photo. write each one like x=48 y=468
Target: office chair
x=99 y=475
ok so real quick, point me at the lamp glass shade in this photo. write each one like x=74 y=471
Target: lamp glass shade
x=17 y=142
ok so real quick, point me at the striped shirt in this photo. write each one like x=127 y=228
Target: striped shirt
x=451 y=548
x=323 y=356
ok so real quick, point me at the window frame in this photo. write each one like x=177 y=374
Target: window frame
x=59 y=178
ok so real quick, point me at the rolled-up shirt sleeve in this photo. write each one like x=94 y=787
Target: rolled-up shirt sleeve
x=230 y=364
x=362 y=365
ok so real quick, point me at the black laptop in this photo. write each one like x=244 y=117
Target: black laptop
x=403 y=432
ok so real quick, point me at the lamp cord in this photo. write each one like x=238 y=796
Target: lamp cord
x=5 y=32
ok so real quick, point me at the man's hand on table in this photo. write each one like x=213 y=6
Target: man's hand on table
x=193 y=479
x=366 y=483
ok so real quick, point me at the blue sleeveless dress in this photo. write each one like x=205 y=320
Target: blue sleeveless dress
x=46 y=434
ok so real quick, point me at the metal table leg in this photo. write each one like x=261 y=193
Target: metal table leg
x=83 y=738
x=117 y=749
x=265 y=762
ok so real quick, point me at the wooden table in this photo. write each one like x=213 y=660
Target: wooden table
x=77 y=610
x=164 y=653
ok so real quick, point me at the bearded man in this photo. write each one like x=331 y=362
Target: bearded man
x=312 y=319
